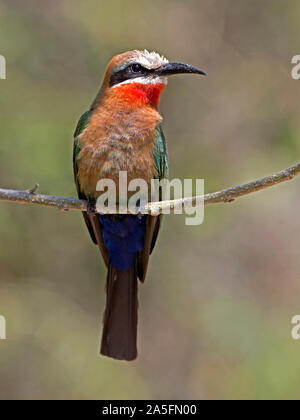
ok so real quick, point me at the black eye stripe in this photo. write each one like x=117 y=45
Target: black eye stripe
x=132 y=71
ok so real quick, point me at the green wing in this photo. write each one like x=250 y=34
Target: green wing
x=153 y=222
x=82 y=123
x=91 y=220
x=161 y=154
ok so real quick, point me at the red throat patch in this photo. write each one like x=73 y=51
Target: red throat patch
x=139 y=94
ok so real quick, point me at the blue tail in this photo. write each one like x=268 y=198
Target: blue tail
x=123 y=237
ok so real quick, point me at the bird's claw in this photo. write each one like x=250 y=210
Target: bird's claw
x=139 y=212
x=91 y=207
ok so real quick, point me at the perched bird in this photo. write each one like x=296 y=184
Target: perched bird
x=122 y=132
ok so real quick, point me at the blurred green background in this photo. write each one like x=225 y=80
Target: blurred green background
x=215 y=311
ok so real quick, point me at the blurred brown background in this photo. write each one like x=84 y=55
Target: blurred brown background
x=216 y=309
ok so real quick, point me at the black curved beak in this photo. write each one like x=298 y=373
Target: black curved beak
x=178 y=68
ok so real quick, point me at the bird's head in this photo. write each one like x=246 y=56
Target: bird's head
x=139 y=77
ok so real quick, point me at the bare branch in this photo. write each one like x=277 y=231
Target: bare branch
x=224 y=196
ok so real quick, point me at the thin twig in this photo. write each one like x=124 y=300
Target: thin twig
x=224 y=196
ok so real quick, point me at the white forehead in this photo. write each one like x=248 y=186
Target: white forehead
x=150 y=60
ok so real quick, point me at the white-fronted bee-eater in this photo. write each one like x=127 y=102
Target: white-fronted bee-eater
x=122 y=131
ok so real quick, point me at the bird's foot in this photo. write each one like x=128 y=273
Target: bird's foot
x=139 y=214
x=91 y=207
x=139 y=208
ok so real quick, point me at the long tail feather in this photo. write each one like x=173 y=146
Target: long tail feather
x=120 y=317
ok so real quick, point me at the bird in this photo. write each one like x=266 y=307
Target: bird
x=122 y=131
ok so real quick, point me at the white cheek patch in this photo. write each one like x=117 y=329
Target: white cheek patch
x=144 y=80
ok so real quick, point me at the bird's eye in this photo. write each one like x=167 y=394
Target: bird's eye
x=136 y=68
